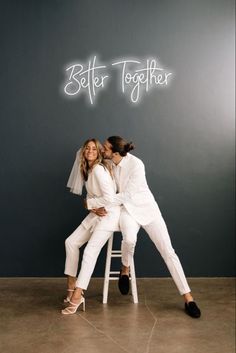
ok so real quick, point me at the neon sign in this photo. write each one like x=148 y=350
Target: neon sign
x=136 y=78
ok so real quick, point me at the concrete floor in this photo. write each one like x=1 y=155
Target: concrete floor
x=30 y=319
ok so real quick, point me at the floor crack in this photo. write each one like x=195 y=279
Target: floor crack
x=103 y=333
x=153 y=327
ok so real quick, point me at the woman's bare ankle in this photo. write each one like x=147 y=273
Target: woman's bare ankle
x=77 y=294
x=71 y=282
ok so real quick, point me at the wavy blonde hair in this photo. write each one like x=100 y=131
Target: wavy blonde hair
x=84 y=166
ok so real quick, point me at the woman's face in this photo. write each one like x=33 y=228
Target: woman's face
x=91 y=153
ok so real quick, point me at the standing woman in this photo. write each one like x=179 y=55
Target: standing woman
x=91 y=169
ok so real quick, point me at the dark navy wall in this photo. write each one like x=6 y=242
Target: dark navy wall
x=183 y=133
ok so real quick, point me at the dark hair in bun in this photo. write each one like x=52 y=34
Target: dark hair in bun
x=120 y=145
x=129 y=146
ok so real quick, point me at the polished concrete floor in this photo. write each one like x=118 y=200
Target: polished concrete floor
x=31 y=322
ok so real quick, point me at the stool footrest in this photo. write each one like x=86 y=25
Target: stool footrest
x=115 y=255
x=117 y=278
x=113 y=278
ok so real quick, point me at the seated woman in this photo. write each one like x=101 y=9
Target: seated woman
x=89 y=168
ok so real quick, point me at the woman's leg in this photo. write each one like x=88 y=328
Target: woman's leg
x=72 y=244
x=91 y=252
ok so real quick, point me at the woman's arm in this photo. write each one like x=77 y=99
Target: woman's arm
x=103 y=179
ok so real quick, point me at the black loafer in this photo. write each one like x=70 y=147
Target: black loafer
x=123 y=284
x=192 y=309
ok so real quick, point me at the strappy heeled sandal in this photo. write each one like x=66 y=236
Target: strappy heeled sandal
x=69 y=310
x=67 y=299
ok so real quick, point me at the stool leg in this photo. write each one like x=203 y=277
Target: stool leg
x=133 y=282
x=107 y=270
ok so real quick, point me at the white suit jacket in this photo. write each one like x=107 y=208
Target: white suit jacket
x=100 y=184
x=134 y=193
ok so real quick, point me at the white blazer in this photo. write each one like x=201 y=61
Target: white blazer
x=100 y=184
x=134 y=192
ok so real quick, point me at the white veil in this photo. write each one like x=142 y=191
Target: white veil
x=76 y=181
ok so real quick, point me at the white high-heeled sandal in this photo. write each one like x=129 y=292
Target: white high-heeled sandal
x=67 y=299
x=69 y=310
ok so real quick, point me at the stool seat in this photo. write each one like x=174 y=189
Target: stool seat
x=114 y=275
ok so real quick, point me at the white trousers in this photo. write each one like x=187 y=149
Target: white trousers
x=158 y=233
x=96 y=241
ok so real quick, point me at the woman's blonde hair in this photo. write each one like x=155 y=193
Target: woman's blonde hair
x=84 y=166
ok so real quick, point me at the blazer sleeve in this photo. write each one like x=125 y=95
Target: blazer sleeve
x=103 y=179
x=136 y=179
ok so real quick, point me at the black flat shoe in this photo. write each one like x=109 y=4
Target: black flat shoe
x=192 y=309
x=123 y=284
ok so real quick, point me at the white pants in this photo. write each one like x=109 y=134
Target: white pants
x=158 y=233
x=95 y=240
